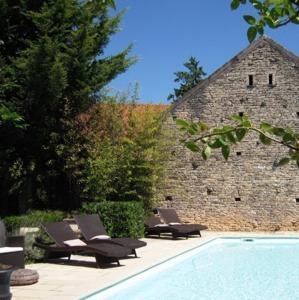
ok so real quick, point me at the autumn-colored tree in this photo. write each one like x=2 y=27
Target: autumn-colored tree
x=126 y=152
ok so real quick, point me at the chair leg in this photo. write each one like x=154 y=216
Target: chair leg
x=104 y=260
x=134 y=252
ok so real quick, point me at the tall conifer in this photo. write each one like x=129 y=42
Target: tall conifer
x=52 y=70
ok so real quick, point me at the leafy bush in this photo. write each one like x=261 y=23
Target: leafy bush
x=121 y=219
x=33 y=218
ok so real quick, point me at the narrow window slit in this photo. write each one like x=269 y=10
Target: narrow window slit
x=250 y=80
x=297 y=113
x=168 y=198
x=209 y=191
x=237 y=199
x=297 y=200
x=239 y=153
x=270 y=79
x=241 y=114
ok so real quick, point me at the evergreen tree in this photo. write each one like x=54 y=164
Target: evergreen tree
x=187 y=79
x=55 y=72
x=16 y=26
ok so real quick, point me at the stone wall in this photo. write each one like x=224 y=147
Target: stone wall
x=247 y=192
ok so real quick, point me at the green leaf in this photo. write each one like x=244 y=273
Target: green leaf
x=294 y=155
x=230 y=136
x=251 y=33
x=227 y=127
x=192 y=131
x=270 y=22
x=266 y=127
x=265 y=140
x=260 y=28
x=206 y=152
x=234 y=4
x=295 y=20
x=283 y=161
x=240 y=133
x=193 y=128
x=250 y=20
x=257 y=5
x=279 y=131
x=192 y=146
x=218 y=130
x=217 y=143
x=225 y=152
x=182 y=123
x=110 y=3
x=279 y=11
x=276 y=2
x=237 y=118
x=289 y=130
x=288 y=138
x=246 y=123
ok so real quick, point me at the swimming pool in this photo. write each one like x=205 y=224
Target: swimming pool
x=224 y=268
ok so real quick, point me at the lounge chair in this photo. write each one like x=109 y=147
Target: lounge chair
x=67 y=243
x=93 y=230
x=154 y=226
x=11 y=249
x=171 y=218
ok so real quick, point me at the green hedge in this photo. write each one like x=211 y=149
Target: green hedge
x=121 y=219
x=32 y=219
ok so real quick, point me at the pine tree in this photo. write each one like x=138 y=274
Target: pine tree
x=187 y=79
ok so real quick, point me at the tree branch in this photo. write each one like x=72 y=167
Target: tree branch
x=273 y=139
x=215 y=134
x=201 y=138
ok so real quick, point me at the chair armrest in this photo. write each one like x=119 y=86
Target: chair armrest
x=15 y=241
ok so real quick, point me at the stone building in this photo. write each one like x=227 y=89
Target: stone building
x=248 y=192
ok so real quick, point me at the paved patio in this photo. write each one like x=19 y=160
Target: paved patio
x=80 y=277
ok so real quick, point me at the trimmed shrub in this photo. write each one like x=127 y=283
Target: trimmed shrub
x=33 y=218
x=121 y=219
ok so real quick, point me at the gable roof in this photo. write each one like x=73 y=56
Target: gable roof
x=263 y=39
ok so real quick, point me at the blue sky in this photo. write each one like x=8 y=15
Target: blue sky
x=165 y=33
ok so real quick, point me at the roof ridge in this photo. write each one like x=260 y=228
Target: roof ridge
x=235 y=58
x=283 y=50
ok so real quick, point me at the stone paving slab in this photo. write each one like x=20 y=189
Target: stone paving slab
x=80 y=276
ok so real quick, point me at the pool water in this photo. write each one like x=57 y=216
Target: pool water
x=223 y=269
